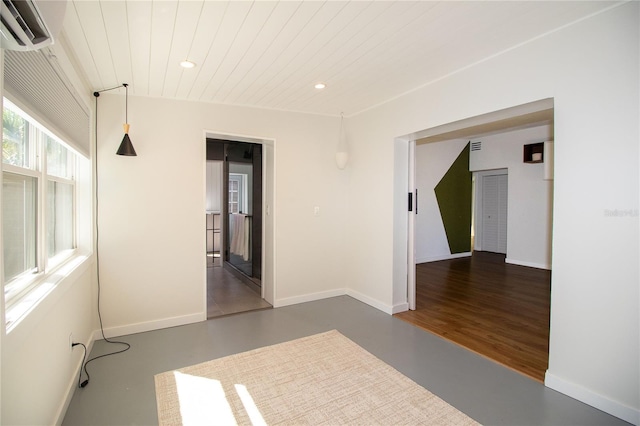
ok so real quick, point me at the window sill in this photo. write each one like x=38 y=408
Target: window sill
x=20 y=287
x=25 y=305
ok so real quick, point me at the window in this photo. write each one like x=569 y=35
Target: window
x=60 y=198
x=18 y=224
x=38 y=203
x=15 y=140
x=234 y=198
x=237 y=193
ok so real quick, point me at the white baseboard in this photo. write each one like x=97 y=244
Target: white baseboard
x=388 y=309
x=150 y=325
x=442 y=257
x=529 y=264
x=278 y=303
x=401 y=307
x=624 y=412
x=341 y=292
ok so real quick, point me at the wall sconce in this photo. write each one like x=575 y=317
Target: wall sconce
x=342 y=153
x=126 y=147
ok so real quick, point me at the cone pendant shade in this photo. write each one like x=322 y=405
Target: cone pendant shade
x=126 y=147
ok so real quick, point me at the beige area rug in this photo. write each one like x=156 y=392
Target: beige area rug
x=325 y=379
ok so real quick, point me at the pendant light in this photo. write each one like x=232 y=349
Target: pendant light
x=342 y=153
x=126 y=147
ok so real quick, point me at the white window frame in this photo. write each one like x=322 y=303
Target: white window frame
x=242 y=179
x=22 y=292
x=55 y=260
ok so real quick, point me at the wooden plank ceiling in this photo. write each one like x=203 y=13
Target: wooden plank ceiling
x=269 y=54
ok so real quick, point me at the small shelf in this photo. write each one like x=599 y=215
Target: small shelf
x=533 y=153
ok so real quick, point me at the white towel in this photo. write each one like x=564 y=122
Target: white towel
x=240 y=227
x=246 y=249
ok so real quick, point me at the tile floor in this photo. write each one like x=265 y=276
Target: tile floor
x=227 y=294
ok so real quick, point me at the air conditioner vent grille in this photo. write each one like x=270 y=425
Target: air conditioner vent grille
x=11 y=32
x=24 y=26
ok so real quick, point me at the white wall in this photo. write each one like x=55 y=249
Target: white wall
x=433 y=160
x=39 y=369
x=152 y=224
x=591 y=71
x=529 y=194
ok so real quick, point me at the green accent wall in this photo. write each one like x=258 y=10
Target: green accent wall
x=453 y=194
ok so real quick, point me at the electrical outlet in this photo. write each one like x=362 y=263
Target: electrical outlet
x=71 y=342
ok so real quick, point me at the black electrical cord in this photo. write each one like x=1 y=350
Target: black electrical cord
x=127 y=345
x=84 y=356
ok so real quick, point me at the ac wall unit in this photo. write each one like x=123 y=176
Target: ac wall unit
x=30 y=24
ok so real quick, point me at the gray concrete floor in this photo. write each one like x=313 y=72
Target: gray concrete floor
x=121 y=390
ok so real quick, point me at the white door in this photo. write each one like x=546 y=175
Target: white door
x=494 y=213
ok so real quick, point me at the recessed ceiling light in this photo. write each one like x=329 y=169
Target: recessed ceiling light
x=320 y=86
x=187 y=64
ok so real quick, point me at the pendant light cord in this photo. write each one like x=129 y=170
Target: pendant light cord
x=126 y=103
x=127 y=345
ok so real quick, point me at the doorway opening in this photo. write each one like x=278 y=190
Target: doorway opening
x=456 y=291
x=234 y=227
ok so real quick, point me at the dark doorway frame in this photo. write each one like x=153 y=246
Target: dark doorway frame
x=249 y=153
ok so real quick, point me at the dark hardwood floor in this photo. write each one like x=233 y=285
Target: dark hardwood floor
x=498 y=310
